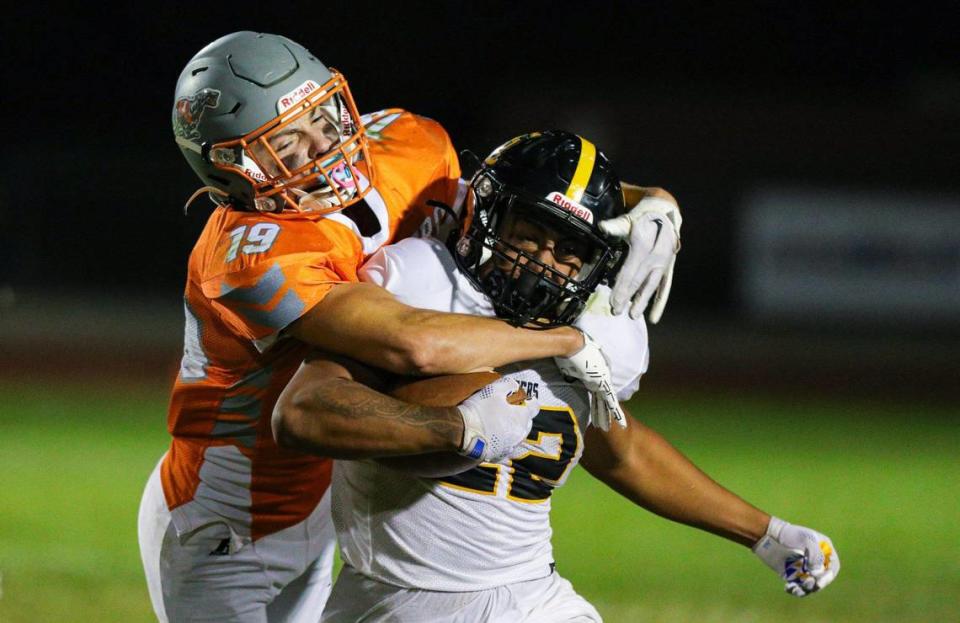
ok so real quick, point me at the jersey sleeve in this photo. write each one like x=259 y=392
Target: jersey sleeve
x=443 y=221
x=380 y=268
x=435 y=146
x=447 y=172
x=424 y=171
x=418 y=271
x=279 y=278
x=622 y=339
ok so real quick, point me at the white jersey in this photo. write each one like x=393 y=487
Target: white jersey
x=490 y=525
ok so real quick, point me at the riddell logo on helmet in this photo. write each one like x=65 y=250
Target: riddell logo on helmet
x=251 y=170
x=295 y=96
x=570 y=205
x=346 y=121
x=257 y=175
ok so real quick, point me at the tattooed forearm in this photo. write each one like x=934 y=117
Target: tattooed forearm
x=352 y=400
x=344 y=419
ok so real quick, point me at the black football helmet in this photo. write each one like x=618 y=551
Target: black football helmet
x=554 y=179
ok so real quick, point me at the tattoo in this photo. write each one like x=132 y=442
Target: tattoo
x=354 y=401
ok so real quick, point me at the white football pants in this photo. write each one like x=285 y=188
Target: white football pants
x=285 y=576
x=359 y=599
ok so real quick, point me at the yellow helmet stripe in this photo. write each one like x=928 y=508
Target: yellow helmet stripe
x=581 y=177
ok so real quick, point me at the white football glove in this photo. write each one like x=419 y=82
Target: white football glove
x=492 y=425
x=590 y=368
x=652 y=228
x=803 y=557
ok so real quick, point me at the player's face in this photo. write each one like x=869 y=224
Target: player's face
x=563 y=253
x=300 y=142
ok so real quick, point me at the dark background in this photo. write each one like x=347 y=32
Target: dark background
x=709 y=100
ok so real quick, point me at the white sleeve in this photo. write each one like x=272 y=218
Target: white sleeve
x=418 y=271
x=622 y=339
x=440 y=223
x=394 y=266
x=377 y=268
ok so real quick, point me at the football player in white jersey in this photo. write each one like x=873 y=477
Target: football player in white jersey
x=475 y=546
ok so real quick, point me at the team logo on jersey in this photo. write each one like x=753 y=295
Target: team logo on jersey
x=570 y=205
x=189 y=110
x=531 y=388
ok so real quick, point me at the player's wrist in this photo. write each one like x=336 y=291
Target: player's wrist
x=457 y=430
x=761 y=527
x=771 y=533
x=471 y=442
x=573 y=341
x=449 y=430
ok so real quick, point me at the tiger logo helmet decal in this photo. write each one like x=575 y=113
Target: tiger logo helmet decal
x=189 y=111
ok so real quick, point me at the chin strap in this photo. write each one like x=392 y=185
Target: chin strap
x=204 y=189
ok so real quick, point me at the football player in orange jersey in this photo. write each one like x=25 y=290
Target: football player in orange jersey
x=232 y=527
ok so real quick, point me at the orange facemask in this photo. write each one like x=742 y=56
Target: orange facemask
x=324 y=184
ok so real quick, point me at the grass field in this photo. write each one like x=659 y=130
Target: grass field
x=881 y=479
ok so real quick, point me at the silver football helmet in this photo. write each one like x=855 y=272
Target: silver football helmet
x=233 y=101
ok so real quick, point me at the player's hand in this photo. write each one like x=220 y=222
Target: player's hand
x=803 y=557
x=590 y=368
x=652 y=228
x=495 y=419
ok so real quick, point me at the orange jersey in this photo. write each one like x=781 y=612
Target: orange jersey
x=249 y=276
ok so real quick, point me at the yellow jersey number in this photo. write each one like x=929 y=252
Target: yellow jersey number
x=552 y=444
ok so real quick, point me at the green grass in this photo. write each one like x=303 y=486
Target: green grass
x=73 y=463
x=882 y=480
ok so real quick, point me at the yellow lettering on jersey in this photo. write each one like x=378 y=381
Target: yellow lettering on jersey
x=578 y=448
x=539 y=451
x=540 y=442
x=493 y=490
